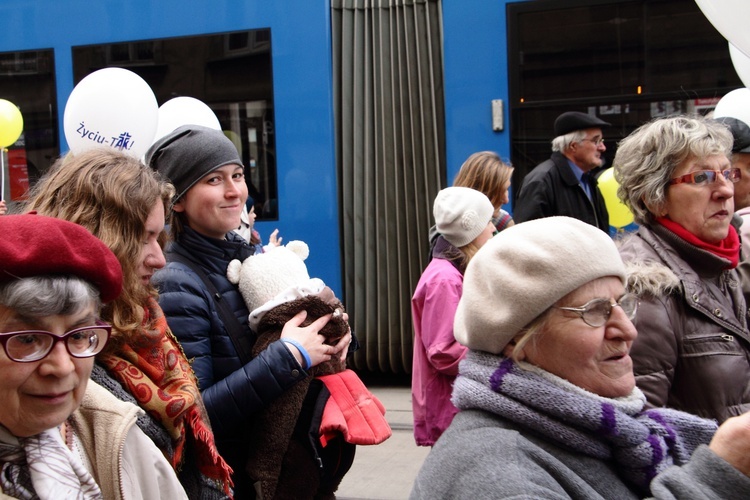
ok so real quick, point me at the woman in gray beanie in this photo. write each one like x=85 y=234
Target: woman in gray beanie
x=205 y=311
x=463 y=218
x=547 y=401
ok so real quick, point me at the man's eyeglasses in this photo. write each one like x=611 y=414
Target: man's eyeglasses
x=32 y=345
x=596 y=141
x=705 y=177
x=596 y=312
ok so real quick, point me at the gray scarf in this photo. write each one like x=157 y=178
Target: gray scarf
x=641 y=443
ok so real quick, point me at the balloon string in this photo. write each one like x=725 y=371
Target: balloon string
x=2 y=174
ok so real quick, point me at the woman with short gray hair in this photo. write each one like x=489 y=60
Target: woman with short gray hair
x=693 y=347
x=61 y=434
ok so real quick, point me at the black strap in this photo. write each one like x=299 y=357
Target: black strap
x=237 y=334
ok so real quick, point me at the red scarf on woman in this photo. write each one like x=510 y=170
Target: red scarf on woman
x=155 y=371
x=728 y=248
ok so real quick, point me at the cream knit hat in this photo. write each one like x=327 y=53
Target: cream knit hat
x=523 y=271
x=461 y=214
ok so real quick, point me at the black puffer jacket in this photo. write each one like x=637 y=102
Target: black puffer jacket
x=232 y=392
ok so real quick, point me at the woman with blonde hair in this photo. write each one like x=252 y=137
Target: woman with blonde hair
x=122 y=202
x=463 y=219
x=484 y=172
x=488 y=174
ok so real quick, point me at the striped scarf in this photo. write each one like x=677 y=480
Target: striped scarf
x=155 y=371
x=641 y=443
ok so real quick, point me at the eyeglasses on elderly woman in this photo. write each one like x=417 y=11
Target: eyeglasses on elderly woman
x=595 y=313
x=705 y=177
x=32 y=345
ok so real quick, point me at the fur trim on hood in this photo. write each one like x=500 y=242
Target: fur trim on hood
x=651 y=278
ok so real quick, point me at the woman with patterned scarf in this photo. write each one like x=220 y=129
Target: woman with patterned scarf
x=122 y=202
x=693 y=347
x=548 y=406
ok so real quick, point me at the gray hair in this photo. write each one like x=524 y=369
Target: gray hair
x=563 y=142
x=647 y=159
x=39 y=296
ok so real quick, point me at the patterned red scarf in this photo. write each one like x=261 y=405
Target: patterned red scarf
x=728 y=248
x=156 y=372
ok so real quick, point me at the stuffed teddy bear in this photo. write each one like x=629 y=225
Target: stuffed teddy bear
x=286 y=444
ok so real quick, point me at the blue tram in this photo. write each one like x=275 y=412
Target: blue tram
x=350 y=115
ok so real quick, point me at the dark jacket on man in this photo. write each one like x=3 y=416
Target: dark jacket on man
x=552 y=189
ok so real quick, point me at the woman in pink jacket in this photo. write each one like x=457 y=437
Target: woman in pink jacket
x=463 y=218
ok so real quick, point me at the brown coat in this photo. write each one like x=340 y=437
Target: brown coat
x=693 y=347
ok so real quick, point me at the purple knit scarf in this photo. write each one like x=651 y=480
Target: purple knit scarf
x=641 y=443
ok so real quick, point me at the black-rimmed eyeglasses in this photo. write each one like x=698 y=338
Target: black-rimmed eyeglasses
x=596 y=312
x=32 y=345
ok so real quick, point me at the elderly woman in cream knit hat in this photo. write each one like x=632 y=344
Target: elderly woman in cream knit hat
x=547 y=401
x=463 y=219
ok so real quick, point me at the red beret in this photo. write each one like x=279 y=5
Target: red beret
x=35 y=245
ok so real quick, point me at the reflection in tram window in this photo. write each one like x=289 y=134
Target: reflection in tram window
x=229 y=72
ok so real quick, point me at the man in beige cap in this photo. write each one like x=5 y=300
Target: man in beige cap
x=562 y=185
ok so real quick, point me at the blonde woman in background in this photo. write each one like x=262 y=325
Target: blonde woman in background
x=484 y=172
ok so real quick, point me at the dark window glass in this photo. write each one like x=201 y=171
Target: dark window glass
x=27 y=79
x=626 y=62
x=230 y=72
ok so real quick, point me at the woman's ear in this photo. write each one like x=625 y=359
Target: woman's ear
x=520 y=355
x=179 y=206
x=658 y=210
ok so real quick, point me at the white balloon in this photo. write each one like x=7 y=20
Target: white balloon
x=729 y=17
x=741 y=64
x=184 y=111
x=111 y=107
x=735 y=104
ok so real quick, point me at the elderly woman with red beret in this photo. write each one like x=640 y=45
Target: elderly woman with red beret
x=122 y=202
x=62 y=436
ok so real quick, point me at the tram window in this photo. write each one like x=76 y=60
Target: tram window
x=627 y=61
x=230 y=72
x=27 y=79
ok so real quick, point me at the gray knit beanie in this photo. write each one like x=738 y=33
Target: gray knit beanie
x=189 y=153
x=461 y=214
x=523 y=271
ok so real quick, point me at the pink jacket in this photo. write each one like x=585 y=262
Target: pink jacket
x=436 y=352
